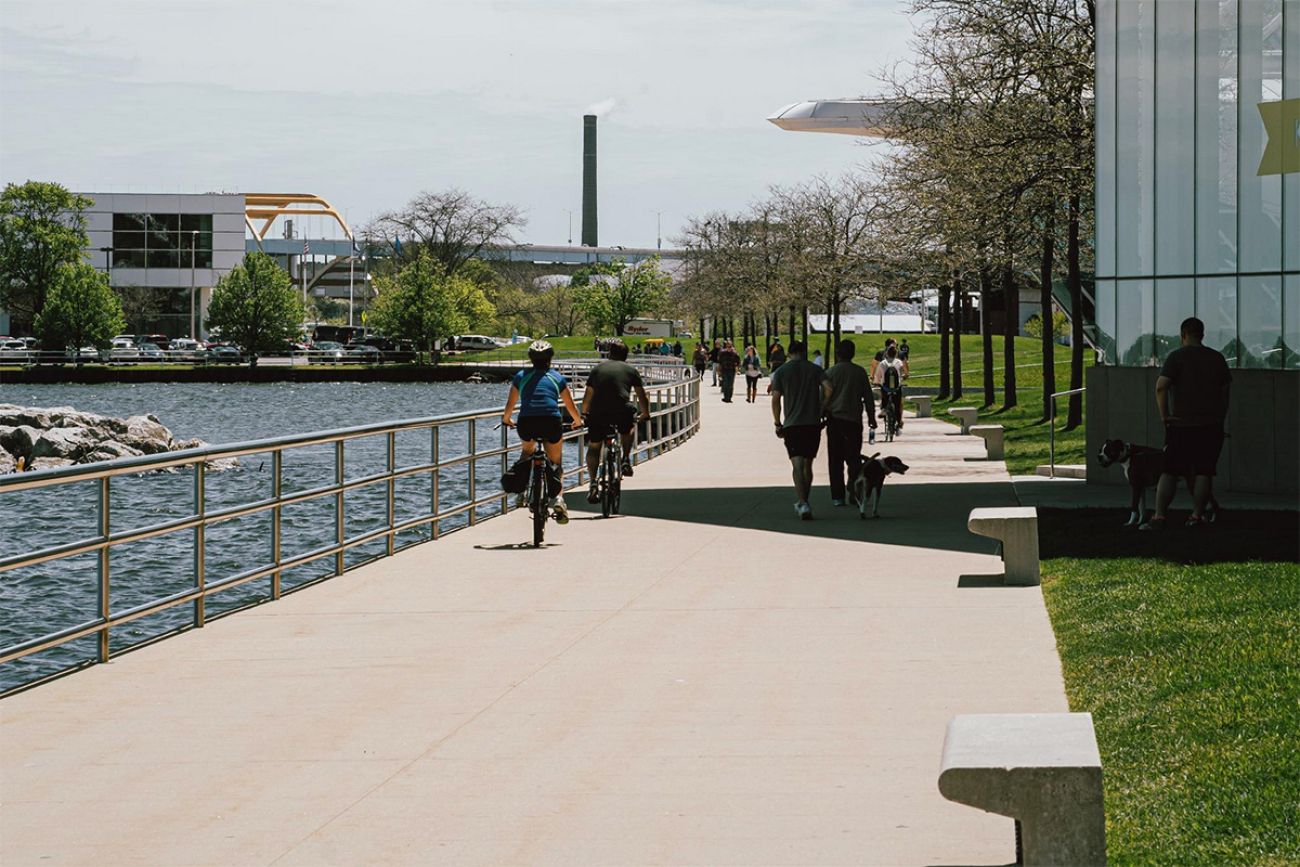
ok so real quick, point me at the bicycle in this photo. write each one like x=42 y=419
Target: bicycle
x=609 y=474
x=537 y=495
x=891 y=417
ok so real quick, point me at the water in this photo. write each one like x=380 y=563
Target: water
x=40 y=599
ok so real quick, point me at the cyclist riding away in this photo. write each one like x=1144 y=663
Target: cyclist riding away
x=539 y=392
x=890 y=374
x=607 y=406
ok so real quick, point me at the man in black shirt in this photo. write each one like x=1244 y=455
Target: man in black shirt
x=607 y=406
x=1199 y=379
x=850 y=395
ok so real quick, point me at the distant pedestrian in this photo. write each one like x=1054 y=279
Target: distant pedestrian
x=776 y=356
x=713 y=358
x=728 y=362
x=850 y=396
x=817 y=358
x=904 y=350
x=677 y=349
x=701 y=359
x=799 y=388
x=1199 y=380
x=880 y=356
x=753 y=369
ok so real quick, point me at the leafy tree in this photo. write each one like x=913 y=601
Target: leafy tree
x=41 y=228
x=613 y=293
x=423 y=303
x=80 y=309
x=1060 y=325
x=256 y=307
x=140 y=305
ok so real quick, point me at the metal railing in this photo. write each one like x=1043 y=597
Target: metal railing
x=1051 y=425
x=674 y=417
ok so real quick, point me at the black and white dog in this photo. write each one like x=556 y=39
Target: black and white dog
x=1142 y=468
x=870 y=479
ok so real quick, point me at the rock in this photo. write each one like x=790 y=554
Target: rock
x=147 y=434
x=110 y=450
x=49 y=464
x=215 y=466
x=20 y=416
x=64 y=442
x=18 y=441
x=7 y=462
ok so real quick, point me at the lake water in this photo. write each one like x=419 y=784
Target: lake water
x=40 y=599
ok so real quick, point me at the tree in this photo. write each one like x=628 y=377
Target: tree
x=41 y=228
x=140 y=305
x=611 y=294
x=451 y=226
x=423 y=303
x=80 y=309
x=256 y=307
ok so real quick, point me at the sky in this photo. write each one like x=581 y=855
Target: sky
x=368 y=103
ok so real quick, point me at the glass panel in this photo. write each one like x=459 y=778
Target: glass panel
x=128 y=258
x=1175 y=167
x=1260 y=300
x=1135 y=139
x=1216 y=136
x=1175 y=301
x=1291 y=319
x=163 y=258
x=1216 y=306
x=1291 y=90
x=201 y=222
x=1105 y=170
x=1259 y=198
x=1135 y=325
x=128 y=240
x=128 y=222
x=1106 y=320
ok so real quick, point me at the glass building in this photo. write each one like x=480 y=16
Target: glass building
x=1198 y=214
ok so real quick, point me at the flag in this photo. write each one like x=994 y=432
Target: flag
x=306 y=248
x=397 y=245
x=356 y=248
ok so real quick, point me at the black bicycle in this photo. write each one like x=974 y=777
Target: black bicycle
x=891 y=415
x=609 y=474
x=537 y=494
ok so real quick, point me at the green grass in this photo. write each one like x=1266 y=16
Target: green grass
x=1191 y=675
x=1027 y=436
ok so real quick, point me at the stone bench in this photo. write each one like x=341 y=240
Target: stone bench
x=1041 y=769
x=1016 y=527
x=922 y=402
x=992 y=436
x=966 y=415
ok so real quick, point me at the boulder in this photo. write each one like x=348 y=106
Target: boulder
x=7 y=462
x=49 y=463
x=22 y=416
x=64 y=442
x=147 y=434
x=110 y=450
x=18 y=441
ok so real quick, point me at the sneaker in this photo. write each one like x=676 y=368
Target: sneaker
x=593 y=492
x=1156 y=524
x=804 y=511
x=561 y=511
x=871 y=437
x=627 y=469
x=838 y=503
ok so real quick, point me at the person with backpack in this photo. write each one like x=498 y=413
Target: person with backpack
x=775 y=356
x=542 y=396
x=890 y=373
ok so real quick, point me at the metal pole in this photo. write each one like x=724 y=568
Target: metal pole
x=473 y=449
x=352 y=262
x=392 y=500
x=340 y=533
x=434 y=474
x=200 y=543
x=194 y=239
x=104 y=586
x=505 y=466
x=277 y=463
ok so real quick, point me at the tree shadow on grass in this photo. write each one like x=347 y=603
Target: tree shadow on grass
x=1267 y=536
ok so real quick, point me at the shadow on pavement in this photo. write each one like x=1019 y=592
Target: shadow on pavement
x=1272 y=537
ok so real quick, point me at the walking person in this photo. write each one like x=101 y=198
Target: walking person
x=850 y=397
x=752 y=369
x=1198 y=379
x=775 y=356
x=713 y=358
x=728 y=363
x=818 y=360
x=904 y=350
x=701 y=360
x=799 y=388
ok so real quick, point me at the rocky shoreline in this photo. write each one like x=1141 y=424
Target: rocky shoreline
x=42 y=438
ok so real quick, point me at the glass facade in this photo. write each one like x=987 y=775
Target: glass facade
x=1185 y=223
x=162 y=240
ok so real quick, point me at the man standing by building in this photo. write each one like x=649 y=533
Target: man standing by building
x=728 y=363
x=1199 y=379
x=799 y=388
x=850 y=395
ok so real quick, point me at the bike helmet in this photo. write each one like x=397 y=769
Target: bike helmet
x=540 y=352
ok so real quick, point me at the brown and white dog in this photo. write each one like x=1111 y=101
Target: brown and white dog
x=870 y=479
x=1143 y=466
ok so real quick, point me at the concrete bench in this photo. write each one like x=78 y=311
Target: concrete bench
x=1041 y=769
x=922 y=402
x=966 y=415
x=992 y=436
x=1016 y=527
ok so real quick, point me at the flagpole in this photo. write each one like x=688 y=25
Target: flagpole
x=352 y=264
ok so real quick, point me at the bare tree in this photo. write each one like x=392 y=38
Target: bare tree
x=452 y=225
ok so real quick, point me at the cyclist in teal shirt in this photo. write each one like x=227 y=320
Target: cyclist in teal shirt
x=539 y=393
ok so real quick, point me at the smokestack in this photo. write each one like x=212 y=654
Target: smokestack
x=589 y=180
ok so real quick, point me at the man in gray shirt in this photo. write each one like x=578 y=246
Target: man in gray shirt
x=850 y=395
x=799 y=387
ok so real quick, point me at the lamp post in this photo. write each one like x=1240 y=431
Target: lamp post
x=570 y=213
x=352 y=263
x=659 y=232
x=194 y=241
x=108 y=262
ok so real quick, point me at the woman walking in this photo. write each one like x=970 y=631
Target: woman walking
x=753 y=370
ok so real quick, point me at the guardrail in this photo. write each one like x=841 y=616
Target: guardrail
x=675 y=396
x=1051 y=425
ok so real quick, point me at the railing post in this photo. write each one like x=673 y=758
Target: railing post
x=200 y=542
x=473 y=451
x=105 y=513
x=340 y=531
x=505 y=466
x=434 y=475
x=392 y=492
x=1051 y=424
x=277 y=461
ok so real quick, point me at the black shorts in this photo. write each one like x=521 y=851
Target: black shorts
x=546 y=427
x=601 y=424
x=1193 y=451
x=803 y=440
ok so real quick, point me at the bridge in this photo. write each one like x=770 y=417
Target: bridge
x=702 y=679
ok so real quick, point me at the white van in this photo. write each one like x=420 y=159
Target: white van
x=475 y=342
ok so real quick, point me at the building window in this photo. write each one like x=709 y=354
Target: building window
x=162 y=240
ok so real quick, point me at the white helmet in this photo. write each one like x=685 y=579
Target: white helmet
x=540 y=350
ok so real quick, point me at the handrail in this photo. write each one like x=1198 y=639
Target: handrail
x=674 y=417
x=1051 y=426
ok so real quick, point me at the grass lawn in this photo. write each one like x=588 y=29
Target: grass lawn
x=1027 y=437
x=1190 y=672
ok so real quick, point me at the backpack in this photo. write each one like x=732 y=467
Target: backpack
x=515 y=479
x=891 y=378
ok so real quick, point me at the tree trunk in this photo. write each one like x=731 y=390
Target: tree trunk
x=1011 y=300
x=945 y=314
x=957 y=323
x=986 y=332
x=829 y=336
x=838 y=333
x=1074 y=282
x=803 y=329
x=791 y=328
x=1045 y=267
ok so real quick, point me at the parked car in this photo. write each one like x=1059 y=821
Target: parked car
x=162 y=341
x=151 y=352
x=389 y=349
x=326 y=352
x=363 y=353
x=476 y=342
x=15 y=350
x=224 y=353
x=123 y=350
x=184 y=349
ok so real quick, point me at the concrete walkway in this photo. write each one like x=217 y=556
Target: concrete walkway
x=705 y=680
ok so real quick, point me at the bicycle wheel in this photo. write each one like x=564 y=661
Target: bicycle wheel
x=889 y=423
x=607 y=489
x=538 y=503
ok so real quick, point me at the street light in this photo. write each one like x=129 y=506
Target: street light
x=108 y=262
x=570 y=213
x=194 y=240
x=659 y=233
